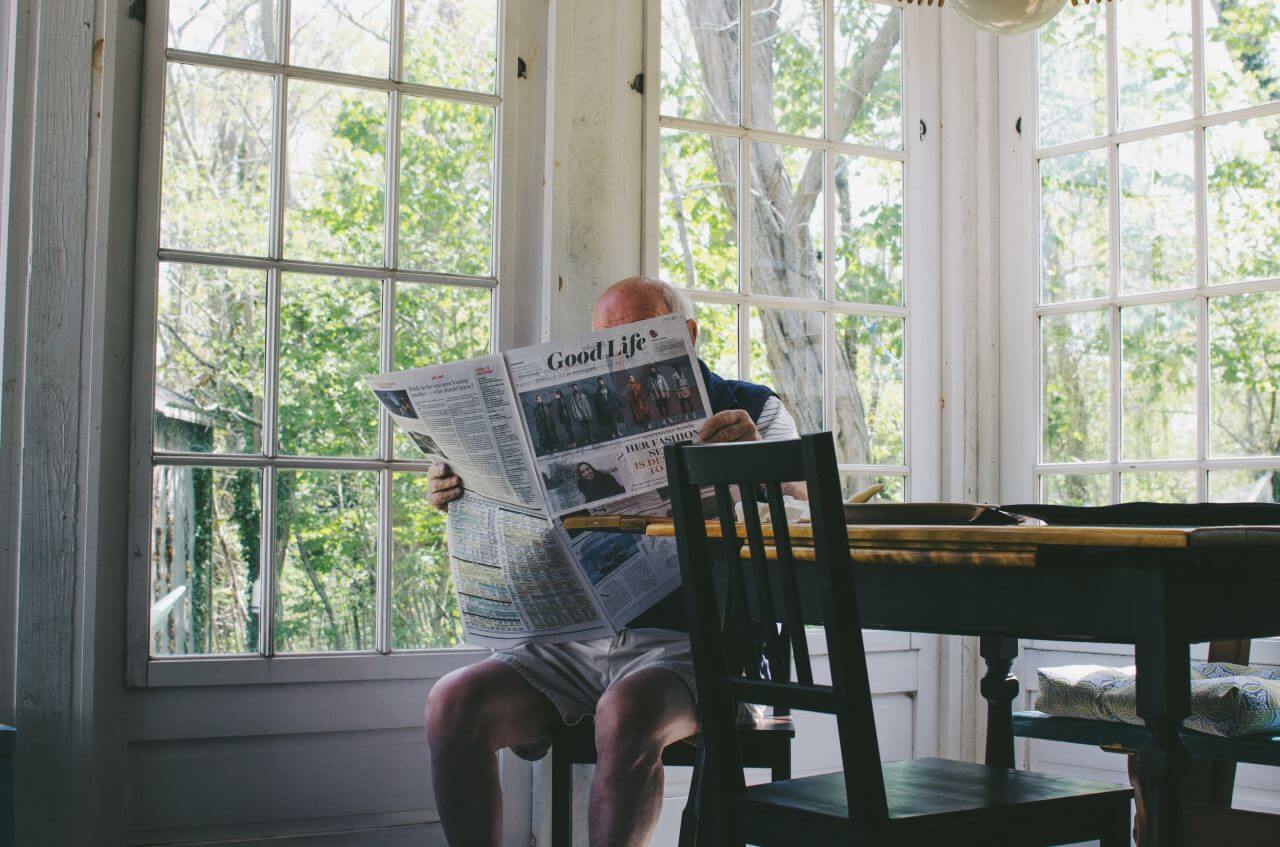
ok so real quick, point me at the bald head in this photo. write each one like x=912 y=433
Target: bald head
x=639 y=298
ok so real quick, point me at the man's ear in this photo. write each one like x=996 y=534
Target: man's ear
x=693 y=332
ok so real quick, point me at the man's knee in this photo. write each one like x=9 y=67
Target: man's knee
x=456 y=708
x=634 y=726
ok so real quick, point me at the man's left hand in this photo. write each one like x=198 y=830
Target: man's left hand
x=724 y=427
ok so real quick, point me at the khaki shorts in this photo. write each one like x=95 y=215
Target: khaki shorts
x=574 y=675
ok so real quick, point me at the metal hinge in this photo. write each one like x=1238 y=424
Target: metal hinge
x=137 y=10
x=637 y=83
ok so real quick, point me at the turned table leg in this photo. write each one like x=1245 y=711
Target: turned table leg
x=1164 y=701
x=999 y=687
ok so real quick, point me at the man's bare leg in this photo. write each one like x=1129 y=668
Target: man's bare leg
x=636 y=719
x=471 y=714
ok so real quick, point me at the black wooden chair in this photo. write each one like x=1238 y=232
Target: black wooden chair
x=927 y=801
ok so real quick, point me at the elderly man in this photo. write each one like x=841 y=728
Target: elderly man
x=638 y=685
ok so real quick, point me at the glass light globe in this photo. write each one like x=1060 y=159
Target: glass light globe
x=1006 y=17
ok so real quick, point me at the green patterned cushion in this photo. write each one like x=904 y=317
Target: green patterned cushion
x=1226 y=699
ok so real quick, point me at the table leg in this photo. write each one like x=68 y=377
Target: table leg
x=1164 y=701
x=999 y=687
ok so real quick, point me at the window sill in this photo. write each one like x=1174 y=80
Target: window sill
x=189 y=671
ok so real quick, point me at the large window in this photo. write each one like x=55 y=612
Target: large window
x=319 y=202
x=777 y=188
x=1154 y=181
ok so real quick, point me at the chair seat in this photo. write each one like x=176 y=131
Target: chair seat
x=925 y=792
x=1254 y=749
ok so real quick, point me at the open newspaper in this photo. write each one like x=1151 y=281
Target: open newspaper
x=538 y=434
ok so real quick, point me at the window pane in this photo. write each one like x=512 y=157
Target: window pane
x=852 y=482
x=1158 y=355
x=326 y=560
x=349 y=36
x=698 y=230
x=1244 y=363
x=1245 y=486
x=243 y=28
x=701 y=60
x=1073 y=79
x=336 y=176
x=1076 y=489
x=1157 y=214
x=210 y=348
x=1154 y=42
x=424 y=608
x=868 y=243
x=1241 y=54
x=437 y=323
x=786 y=65
x=867 y=391
x=217 y=161
x=1244 y=206
x=205 y=525
x=868 y=68
x=446 y=187
x=718 y=338
x=451 y=43
x=1073 y=227
x=1076 y=390
x=786 y=220
x=328 y=343
x=1158 y=487
x=786 y=355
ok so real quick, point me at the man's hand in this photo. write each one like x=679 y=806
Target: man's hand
x=444 y=486
x=733 y=425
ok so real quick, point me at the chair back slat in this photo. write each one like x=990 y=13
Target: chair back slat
x=794 y=627
x=738 y=649
x=766 y=617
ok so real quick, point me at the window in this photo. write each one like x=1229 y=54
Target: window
x=1156 y=266
x=779 y=188
x=319 y=202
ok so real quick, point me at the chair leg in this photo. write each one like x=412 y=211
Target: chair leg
x=781 y=767
x=691 y=816
x=561 y=796
x=1119 y=829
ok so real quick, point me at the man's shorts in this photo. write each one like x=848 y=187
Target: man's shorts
x=574 y=675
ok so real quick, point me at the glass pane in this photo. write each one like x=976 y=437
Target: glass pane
x=1154 y=42
x=1241 y=54
x=452 y=43
x=210 y=349
x=1073 y=227
x=868 y=47
x=348 y=36
x=1158 y=381
x=326 y=552
x=205 y=525
x=1244 y=206
x=853 y=482
x=718 y=338
x=217 y=161
x=336 y=177
x=1244 y=361
x=437 y=323
x=867 y=393
x=786 y=220
x=1158 y=487
x=697 y=227
x=1157 y=214
x=1076 y=489
x=328 y=343
x=446 y=187
x=424 y=609
x=786 y=355
x=243 y=28
x=1073 y=79
x=1075 y=386
x=1245 y=486
x=868 y=239
x=786 y=65
x=701 y=60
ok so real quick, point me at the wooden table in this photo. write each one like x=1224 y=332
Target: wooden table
x=1159 y=589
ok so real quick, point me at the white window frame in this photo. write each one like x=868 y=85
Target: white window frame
x=920 y=156
x=1021 y=412
x=144 y=669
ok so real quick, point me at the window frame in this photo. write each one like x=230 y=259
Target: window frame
x=1022 y=403
x=920 y=157
x=142 y=668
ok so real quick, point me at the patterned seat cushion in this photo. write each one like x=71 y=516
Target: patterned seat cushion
x=1227 y=700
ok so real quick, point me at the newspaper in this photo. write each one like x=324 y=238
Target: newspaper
x=566 y=428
